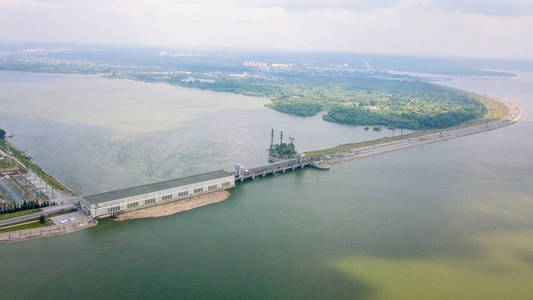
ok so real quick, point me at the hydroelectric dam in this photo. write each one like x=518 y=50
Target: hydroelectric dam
x=117 y=202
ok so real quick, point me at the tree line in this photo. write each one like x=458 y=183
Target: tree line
x=9 y=208
x=409 y=120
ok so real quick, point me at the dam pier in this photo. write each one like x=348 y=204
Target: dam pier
x=242 y=174
x=114 y=203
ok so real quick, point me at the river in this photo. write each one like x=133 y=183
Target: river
x=98 y=134
x=450 y=220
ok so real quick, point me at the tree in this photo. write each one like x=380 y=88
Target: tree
x=42 y=219
x=2 y=135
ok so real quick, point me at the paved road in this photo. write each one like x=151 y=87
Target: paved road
x=514 y=115
x=46 y=211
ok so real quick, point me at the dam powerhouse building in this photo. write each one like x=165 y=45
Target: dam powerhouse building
x=116 y=202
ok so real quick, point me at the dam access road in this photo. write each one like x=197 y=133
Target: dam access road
x=514 y=115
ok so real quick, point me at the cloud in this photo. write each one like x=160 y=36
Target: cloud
x=305 y=5
x=429 y=27
x=488 y=7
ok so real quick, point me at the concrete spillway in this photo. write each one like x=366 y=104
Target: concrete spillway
x=241 y=174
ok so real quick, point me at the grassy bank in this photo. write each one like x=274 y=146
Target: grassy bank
x=495 y=110
x=6 y=164
x=19 y=213
x=27 y=162
x=32 y=225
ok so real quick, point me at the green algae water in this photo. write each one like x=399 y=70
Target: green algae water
x=451 y=220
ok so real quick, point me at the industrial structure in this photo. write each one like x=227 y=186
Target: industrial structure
x=116 y=202
x=317 y=162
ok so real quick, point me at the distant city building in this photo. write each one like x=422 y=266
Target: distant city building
x=255 y=64
x=179 y=54
x=282 y=66
x=238 y=75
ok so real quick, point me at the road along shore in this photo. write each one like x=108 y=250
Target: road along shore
x=161 y=210
x=174 y=207
x=514 y=115
x=46 y=232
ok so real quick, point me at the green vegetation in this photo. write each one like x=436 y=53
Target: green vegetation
x=444 y=118
x=346 y=95
x=27 y=162
x=352 y=98
x=299 y=108
x=284 y=149
x=413 y=105
x=495 y=110
x=18 y=214
x=2 y=134
x=11 y=208
x=7 y=164
x=42 y=219
x=31 y=225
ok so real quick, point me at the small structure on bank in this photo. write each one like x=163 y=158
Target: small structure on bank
x=281 y=151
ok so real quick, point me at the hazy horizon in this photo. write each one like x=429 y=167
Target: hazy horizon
x=465 y=29
x=35 y=45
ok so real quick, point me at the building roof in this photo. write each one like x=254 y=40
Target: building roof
x=154 y=187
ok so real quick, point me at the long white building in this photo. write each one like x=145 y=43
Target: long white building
x=116 y=202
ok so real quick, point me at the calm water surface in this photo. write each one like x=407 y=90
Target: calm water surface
x=98 y=134
x=451 y=220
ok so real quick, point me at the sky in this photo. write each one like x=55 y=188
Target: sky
x=465 y=28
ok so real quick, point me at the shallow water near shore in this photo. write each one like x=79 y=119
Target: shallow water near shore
x=449 y=220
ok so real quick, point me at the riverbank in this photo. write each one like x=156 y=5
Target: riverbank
x=175 y=207
x=496 y=110
x=492 y=120
x=85 y=222
x=47 y=232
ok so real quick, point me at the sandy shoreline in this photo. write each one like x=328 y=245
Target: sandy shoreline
x=175 y=207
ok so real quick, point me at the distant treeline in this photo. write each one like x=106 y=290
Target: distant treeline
x=9 y=208
x=358 y=116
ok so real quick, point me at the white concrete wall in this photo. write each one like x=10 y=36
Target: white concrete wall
x=100 y=210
